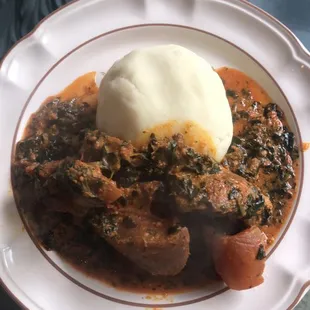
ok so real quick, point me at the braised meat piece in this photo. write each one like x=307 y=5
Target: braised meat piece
x=160 y=246
x=222 y=193
x=86 y=180
x=67 y=185
x=97 y=146
x=165 y=154
x=77 y=186
x=119 y=160
x=240 y=259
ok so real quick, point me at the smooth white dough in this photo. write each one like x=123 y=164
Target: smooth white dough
x=155 y=85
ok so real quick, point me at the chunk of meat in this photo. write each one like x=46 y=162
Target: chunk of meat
x=157 y=245
x=87 y=182
x=72 y=186
x=164 y=154
x=240 y=259
x=97 y=146
x=222 y=193
x=119 y=160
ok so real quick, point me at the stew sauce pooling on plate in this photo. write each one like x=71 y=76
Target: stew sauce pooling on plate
x=158 y=218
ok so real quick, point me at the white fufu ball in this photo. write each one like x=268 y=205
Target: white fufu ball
x=166 y=89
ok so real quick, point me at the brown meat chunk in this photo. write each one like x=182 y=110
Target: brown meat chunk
x=97 y=146
x=118 y=159
x=74 y=186
x=240 y=259
x=86 y=180
x=157 y=245
x=222 y=193
x=166 y=154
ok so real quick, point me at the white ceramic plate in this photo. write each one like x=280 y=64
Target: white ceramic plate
x=90 y=35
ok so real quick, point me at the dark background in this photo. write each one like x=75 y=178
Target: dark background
x=18 y=17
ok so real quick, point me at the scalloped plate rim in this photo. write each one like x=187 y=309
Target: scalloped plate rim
x=304 y=58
